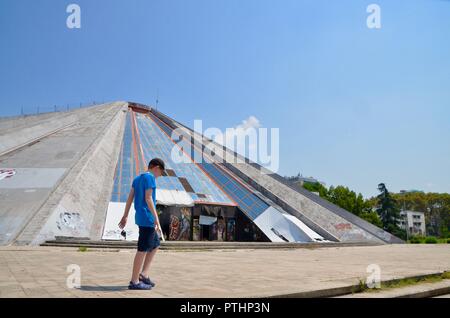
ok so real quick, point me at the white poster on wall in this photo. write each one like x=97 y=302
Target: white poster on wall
x=112 y=231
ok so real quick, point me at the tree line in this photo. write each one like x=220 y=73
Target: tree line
x=384 y=209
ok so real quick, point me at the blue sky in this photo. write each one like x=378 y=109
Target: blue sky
x=355 y=106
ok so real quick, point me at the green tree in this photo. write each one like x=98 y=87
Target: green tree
x=389 y=212
x=372 y=217
x=318 y=188
x=348 y=200
x=436 y=207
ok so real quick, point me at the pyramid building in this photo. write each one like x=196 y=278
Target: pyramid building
x=68 y=174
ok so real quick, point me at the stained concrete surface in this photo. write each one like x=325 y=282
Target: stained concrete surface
x=32 y=178
x=42 y=271
x=12 y=220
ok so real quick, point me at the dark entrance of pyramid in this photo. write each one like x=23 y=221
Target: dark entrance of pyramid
x=214 y=223
x=207 y=223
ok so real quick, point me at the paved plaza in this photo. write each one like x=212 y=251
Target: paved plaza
x=42 y=271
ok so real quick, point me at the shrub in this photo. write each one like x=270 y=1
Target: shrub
x=418 y=239
x=415 y=240
x=431 y=240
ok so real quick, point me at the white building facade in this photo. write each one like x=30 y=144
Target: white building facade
x=413 y=222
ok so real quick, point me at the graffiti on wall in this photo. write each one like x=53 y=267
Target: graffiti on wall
x=119 y=234
x=343 y=226
x=231 y=226
x=180 y=224
x=213 y=234
x=221 y=229
x=196 y=230
x=174 y=228
x=7 y=173
x=70 y=220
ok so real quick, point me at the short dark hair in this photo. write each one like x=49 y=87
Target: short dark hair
x=156 y=162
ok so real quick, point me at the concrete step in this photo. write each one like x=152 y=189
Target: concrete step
x=419 y=290
x=191 y=245
x=443 y=296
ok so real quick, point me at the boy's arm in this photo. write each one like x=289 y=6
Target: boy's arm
x=123 y=222
x=149 y=200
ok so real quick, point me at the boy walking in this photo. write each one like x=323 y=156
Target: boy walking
x=143 y=192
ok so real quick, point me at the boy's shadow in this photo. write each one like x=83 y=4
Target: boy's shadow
x=103 y=288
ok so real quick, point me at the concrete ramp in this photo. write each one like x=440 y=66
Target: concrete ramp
x=58 y=167
x=320 y=216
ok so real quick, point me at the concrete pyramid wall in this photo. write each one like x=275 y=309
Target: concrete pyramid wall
x=64 y=165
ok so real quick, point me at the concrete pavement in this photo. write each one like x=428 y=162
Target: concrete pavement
x=42 y=271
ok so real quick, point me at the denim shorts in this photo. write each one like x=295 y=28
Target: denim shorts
x=148 y=239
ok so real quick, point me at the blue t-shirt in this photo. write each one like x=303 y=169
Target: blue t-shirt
x=144 y=216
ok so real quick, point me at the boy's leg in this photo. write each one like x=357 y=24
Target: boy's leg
x=144 y=244
x=137 y=265
x=150 y=255
x=147 y=262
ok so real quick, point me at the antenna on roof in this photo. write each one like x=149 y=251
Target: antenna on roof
x=157 y=99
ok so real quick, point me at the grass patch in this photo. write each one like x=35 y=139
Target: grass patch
x=428 y=240
x=361 y=287
x=404 y=282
